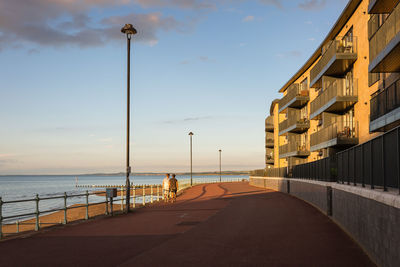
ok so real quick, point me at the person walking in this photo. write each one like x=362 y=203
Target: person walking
x=166 y=187
x=173 y=188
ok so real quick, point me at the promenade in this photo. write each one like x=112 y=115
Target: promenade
x=227 y=224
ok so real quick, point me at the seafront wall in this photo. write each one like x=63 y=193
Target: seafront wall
x=370 y=217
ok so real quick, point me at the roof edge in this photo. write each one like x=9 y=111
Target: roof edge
x=339 y=24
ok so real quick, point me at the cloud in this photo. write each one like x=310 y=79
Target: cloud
x=312 y=4
x=189 y=119
x=57 y=23
x=276 y=3
x=248 y=19
x=183 y=4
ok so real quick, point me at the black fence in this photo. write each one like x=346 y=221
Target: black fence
x=375 y=163
x=320 y=170
x=272 y=172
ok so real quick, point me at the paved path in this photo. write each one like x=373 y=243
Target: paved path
x=228 y=224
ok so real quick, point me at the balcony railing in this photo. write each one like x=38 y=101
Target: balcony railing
x=269 y=159
x=297 y=148
x=337 y=97
x=385 y=101
x=338 y=133
x=343 y=49
x=383 y=36
x=381 y=6
x=294 y=91
x=296 y=122
x=269 y=124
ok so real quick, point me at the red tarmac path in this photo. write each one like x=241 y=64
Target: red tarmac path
x=228 y=224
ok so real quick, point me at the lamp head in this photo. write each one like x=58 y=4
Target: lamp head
x=191 y=133
x=220 y=150
x=128 y=30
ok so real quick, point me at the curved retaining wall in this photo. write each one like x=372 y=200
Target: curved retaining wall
x=370 y=217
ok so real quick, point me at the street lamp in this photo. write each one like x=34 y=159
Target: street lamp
x=191 y=160
x=128 y=30
x=220 y=179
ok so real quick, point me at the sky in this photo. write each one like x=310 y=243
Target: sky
x=210 y=67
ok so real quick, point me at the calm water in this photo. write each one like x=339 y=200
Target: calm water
x=26 y=187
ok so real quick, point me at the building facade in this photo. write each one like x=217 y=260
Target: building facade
x=347 y=93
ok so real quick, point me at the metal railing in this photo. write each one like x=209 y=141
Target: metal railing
x=334 y=89
x=375 y=163
x=373 y=25
x=294 y=117
x=382 y=37
x=319 y=170
x=271 y=172
x=33 y=220
x=342 y=45
x=269 y=123
x=292 y=92
x=385 y=101
x=340 y=130
x=297 y=146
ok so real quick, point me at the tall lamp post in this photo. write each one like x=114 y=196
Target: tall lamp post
x=128 y=30
x=191 y=160
x=220 y=179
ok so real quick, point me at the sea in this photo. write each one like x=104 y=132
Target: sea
x=26 y=187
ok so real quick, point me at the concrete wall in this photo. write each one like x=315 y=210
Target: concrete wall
x=277 y=184
x=375 y=225
x=370 y=217
x=315 y=194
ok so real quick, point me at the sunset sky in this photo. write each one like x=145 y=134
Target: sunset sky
x=210 y=67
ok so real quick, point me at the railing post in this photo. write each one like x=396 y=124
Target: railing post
x=362 y=166
x=371 y=167
x=1 y=218
x=122 y=198
x=87 y=205
x=151 y=193
x=37 y=224
x=383 y=163
x=398 y=162
x=65 y=207
x=134 y=196
x=158 y=193
x=111 y=206
x=144 y=195
x=354 y=166
x=106 y=212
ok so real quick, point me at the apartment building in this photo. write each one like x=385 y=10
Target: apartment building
x=347 y=92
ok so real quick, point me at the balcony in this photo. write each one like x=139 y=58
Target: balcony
x=269 y=124
x=381 y=6
x=338 y=134
x=269 y=140
x=384 y=46
x=294 y=98
x=337 y=59
x=296 y=147
x=295 y=122
x=337 y=96
x=269 y=157
x=385 y=109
